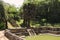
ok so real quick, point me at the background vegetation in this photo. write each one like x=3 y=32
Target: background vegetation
x=34 y=13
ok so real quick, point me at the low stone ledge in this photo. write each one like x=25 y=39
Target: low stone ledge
x=23 y=31
x=12 y=36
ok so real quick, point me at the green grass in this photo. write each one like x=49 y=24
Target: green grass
x=43 y=37
x=19 y=22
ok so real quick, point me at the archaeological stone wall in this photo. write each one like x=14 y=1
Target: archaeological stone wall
x=12 y=36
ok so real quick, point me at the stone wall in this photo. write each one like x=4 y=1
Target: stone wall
x=37 y=30
x=12 y=36
x=47 y=30
x=21 y=32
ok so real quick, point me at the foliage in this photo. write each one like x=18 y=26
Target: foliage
x=40 y=12
x=49 y=10
x=3 y=23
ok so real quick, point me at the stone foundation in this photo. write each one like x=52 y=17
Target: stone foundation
x=12 y=36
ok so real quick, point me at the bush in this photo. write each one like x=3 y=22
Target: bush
x=2 y=26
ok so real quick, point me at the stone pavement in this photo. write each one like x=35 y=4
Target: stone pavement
x=2 y=37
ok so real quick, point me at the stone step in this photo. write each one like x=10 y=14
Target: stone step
x=31 y=32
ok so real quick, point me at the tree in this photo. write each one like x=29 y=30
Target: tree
x=28 y=10
x=49 y=10
x=2 y=15
x=54 y=13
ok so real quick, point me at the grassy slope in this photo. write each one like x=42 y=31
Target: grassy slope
x=43 y=37
x=9 y=25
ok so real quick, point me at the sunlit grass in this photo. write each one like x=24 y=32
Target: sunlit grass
x=19 y=22
x=43 y=37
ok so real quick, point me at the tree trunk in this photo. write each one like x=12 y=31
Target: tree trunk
x=28 y=23
x=6 y=26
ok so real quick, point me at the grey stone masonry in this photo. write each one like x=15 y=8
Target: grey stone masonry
x=12 y=36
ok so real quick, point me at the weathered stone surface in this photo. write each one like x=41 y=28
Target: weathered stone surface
x=12 y=36
x=36 y=30
x=2 y=37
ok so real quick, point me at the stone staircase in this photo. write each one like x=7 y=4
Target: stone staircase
x=31 y=32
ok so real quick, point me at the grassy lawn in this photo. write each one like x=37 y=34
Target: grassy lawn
x=43 y=37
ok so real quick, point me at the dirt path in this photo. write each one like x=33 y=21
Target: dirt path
x=2 y=37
